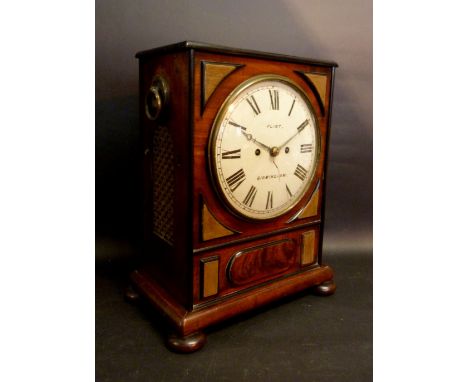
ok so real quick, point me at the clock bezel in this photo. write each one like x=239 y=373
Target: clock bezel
x=213 y=175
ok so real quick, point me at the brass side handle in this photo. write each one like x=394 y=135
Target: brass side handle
x=156 y=98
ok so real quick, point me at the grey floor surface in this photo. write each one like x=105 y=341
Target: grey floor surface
x=305 y=338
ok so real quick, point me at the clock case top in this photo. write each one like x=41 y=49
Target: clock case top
x=189 y=116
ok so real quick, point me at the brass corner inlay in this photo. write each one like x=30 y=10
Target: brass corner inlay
x=211 y=228
x=209 y=276
x=318 y=83
x=308 y=249
x=212 y=74
x=311 y=209
x=312 y=206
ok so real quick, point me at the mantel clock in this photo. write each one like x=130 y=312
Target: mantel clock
x=234 y=151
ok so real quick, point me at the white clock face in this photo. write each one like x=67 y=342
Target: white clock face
x=264 y=147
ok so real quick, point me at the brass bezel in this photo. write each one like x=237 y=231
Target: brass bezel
x=217 y=124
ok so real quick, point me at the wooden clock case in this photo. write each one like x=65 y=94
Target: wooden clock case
x=200 y=263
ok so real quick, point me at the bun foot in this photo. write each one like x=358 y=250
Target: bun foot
x=327 y=288
x=131 y=295
x=187 y=344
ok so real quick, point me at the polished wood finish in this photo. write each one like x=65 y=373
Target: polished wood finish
x=260 y=262
x=327 y=288
x=170 y=265
x=131 y=295
x=186 y=322
x=203 y=184
x=186 y=344
x=219 y=265
x=227 y=253
x=204 y=47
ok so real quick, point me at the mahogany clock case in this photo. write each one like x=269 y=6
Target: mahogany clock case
x=211 y=264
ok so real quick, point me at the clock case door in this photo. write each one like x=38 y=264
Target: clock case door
x=216 y=264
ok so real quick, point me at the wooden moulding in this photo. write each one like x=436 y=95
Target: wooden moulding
x=204 y=47
x=188 y=322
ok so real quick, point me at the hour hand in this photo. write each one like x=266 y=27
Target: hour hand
x=250 y=138
x=237 y=125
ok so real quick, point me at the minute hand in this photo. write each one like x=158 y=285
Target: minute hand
x=299 y=129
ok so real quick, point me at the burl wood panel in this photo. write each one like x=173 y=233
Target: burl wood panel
x=263 y=263
x=203 y=120
x=260 y=262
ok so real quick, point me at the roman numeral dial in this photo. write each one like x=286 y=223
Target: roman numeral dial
x=235 y=180
x=233 y=154
x=306 y=148
x=292 y=107
x=300 y=172
x=274 y=99
x=249 y=198
x=269 y=203
x=263 y=148
x=253 y=104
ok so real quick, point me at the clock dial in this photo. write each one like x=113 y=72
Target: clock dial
x=264 y=147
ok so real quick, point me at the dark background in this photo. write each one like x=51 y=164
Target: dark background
x=336 y=343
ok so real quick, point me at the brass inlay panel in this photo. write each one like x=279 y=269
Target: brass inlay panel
x=320 y=83
x=311 y=209
x=308 y=253
x=211 y=228
x=212 y=74
x=209 y=273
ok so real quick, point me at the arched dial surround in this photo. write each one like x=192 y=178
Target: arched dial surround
x=264 y=147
